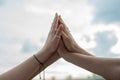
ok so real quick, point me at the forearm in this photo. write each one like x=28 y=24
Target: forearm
x=28 y=69
x=108 y=68
x=53 y=58
x=23 y=71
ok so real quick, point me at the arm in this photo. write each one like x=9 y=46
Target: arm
x=30 y=68
x=109 y=68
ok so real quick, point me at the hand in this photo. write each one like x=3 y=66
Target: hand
x=52 y=41
x=68 y=40
x=53 y=38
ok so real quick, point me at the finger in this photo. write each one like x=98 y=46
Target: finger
x=55 y=23
x=59 y=31
x=68 y=34
x=65 y=39
x=62 y=22
x=57 y=36
x=65 y=29
x=64 y=36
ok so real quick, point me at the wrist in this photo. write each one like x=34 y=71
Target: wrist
x=77 y=49
x=42 y=56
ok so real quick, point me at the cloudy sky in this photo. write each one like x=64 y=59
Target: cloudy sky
x=24 y=25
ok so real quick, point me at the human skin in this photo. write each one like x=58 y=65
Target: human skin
x=69 y=41
x=61 y=41
x=109 y=68
x=47 y=55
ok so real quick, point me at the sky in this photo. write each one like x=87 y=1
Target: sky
x=24 y=25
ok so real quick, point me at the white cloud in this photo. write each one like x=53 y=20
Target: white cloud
x=30 y=47
x=32 y=19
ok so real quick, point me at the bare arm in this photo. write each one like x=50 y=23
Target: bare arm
x=109 y=68
x=30 y=68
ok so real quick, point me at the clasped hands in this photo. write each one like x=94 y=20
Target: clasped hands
x=60 y=43
x=59 y=40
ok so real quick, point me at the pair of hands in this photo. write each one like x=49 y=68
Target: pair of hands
x=59 y=39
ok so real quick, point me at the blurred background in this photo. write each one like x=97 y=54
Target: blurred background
x=24 y=25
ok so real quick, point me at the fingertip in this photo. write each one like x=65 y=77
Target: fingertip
x=59 y=16
x=59 y=22
x=60 y=19
x=56 y=14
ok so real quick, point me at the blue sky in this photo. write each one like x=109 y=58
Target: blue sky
x=24 y=25
x=107 y=11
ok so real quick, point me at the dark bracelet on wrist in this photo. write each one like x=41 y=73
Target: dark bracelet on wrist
x=40 y=63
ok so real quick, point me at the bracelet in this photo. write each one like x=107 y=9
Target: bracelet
x=40 y=63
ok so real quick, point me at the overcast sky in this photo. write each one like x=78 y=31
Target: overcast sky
x=24 y=25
